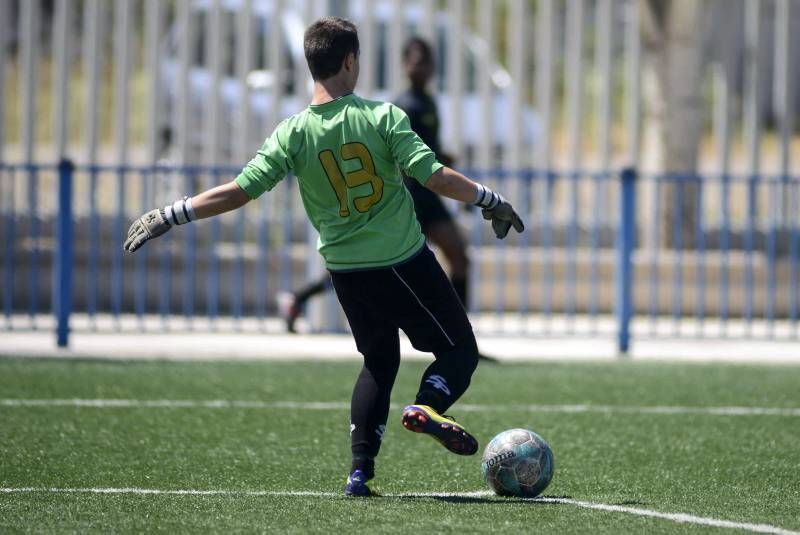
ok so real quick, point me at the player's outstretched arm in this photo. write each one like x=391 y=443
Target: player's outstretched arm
x=496 y=209
x=212 y=202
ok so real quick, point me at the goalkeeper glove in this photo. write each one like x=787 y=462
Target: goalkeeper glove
x=499 y=211
x=156 y=222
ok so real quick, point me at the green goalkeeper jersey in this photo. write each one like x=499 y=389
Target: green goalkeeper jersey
x=347 y=155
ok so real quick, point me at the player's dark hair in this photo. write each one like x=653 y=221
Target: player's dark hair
x=417 y=44
x=327 y=43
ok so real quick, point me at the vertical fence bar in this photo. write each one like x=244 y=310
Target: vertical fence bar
x=677 y=236
x=5 y=42
x=722 y=135
x=484 y=66
x=724 y=275
x=427 y=28
x=368 y=57
x=33 y=211
x=116 y=252
x=517 y=50
x=262 y=265
x=63 y=254
x=749 y=239
x=184 y=89
x=633 y=54
x=9 y=241
x=140 y=296
x=542 y=162
x=92 y=64
x=212 y=286
x=62 y=40
x=244 y=63
x=213 y=53
x=794 y=245
x=92 y=58
x=626 y=237
x=123 y=22
x=153 y=20
x=700 y=303
x=165 y=279
x=524 y=281
x=783 y=99
x=599 y=180
x=632 y=81
x=774 y=211
x=94 y=249
x=572 y=251
x=547 y=244
x=752 y=138
x=277 y=64
x=486 y=21
x=455 y=72
x=189 y=256
x=655 y=237
x=397 y=35
x=238 y=270
x=29 y=54
x=154 y=15
x=122 y=37
x=574 y=123
x=517 y=53
x=286 y=223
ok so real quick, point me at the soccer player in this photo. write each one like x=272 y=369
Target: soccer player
x=345 y=152
x=436 y=221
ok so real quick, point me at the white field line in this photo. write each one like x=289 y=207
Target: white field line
x=673 y=517
x=337 y=405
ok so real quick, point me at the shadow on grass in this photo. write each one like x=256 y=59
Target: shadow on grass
x=466 y=499
x=631 y=502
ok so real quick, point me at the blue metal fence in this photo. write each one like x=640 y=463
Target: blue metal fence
x=604 y=253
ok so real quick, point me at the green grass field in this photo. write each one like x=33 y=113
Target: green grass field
x=734 y=466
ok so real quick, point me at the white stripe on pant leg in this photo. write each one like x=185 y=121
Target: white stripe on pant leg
x=424 y=307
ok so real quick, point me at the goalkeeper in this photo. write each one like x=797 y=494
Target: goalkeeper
x=346 y=153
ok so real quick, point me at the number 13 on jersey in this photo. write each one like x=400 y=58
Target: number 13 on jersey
x=352 y=179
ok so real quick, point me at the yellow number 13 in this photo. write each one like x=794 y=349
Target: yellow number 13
x=353 y=179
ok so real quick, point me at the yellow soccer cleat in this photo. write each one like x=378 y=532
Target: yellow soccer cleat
x=423 y=419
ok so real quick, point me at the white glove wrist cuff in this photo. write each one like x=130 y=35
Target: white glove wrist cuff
x=486 y=198
x=180 y=212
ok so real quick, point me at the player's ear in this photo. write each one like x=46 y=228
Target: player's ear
x=350 y=61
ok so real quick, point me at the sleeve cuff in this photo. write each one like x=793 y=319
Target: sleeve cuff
x=250 y=186
x=423 y=170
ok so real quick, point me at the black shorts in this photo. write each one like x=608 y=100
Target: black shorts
x=415 y=296
x=428 y=205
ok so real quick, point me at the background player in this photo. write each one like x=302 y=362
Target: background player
x=345 y=153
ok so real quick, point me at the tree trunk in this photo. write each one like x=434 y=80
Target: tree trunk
x=674 y=56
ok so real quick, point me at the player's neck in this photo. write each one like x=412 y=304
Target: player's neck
x=330 y=89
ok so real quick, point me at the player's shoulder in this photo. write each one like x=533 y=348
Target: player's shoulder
x=291 y=127
x=379 y=109
x=294 y=122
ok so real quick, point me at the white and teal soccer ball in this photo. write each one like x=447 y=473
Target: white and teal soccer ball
x=518 y=462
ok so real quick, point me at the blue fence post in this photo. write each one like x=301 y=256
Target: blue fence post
x=63 y=253
x=626 y=237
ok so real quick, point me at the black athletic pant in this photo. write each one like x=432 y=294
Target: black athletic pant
x=415 y=296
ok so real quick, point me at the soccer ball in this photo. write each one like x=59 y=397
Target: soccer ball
x=518 y=462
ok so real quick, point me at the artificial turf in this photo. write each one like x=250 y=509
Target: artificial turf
x=741 y=468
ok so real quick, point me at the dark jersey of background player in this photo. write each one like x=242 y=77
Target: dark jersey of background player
x=436 y=221
x=423 y=114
